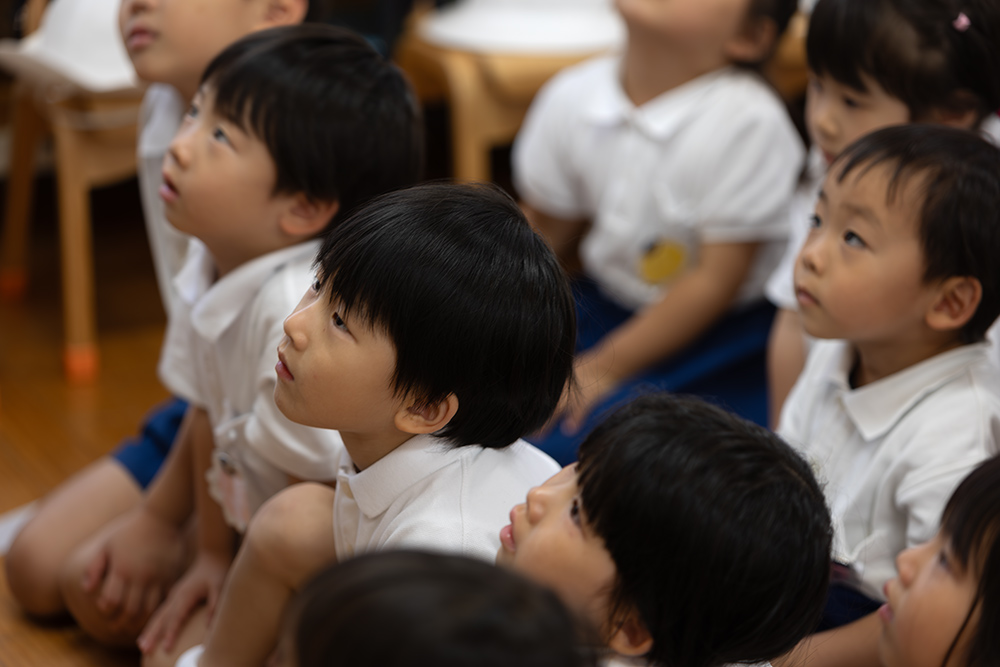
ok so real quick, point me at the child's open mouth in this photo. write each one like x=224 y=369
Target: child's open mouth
x=168 y=193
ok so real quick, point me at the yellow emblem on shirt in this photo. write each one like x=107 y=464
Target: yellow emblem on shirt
x=663 y=261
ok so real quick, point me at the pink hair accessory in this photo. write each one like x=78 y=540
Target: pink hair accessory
x=962 y=22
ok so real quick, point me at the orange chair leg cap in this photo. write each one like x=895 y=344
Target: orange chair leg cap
x=81 y=363
x=13 y=283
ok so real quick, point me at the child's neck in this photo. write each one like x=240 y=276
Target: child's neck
x=367 y=449
x=875 y=361
x=652 y=66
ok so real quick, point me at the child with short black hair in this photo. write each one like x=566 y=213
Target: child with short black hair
x=253 y=187
x=439 y=330
x=401 y=608
x=686 y=535
x=664 y=174
x=900 y=265
x=876 y=63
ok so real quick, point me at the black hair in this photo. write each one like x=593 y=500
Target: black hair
x=779 y=12
x=473 y=300
x=338 y=119
x=913 y=50
x=719 y=532
x=971 y=522
x=959 y=225
x=402 y=608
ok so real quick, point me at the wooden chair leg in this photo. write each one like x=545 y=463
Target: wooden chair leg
x=470 y=152
x=28 y=128
x=80 y=357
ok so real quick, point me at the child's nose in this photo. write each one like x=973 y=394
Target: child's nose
x=810 y=254
x=824 y=120
x=536 y=503
x=293 y=328
x=180 y=147
x=908 y=563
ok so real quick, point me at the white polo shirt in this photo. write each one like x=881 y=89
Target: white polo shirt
x=220 y=352
x=160 y=117
x=889 y=454
x=429 y=494
x=715 y=160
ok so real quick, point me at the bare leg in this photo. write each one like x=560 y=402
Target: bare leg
x=69 y=516
x=288 y=541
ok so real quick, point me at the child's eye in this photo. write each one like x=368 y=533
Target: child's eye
x=815 y=221
x=851 y=103
x=317 y=286
x=943 y=559
x=339 y=322
x=574 y=511
x=192 y=111
x=852 y=239
x=220 y=135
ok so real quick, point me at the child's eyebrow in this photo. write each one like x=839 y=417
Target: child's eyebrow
x=863 y=212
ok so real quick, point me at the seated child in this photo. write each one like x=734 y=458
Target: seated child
x=875 y=63
x=439 y=331
x=686 y=535
x=169 y=45
x=942 y=607
x=446 y=611
x=255 y=173
x=671 y=166
x=900 y=266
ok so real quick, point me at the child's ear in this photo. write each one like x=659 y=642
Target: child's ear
x=961 y=113
x=755 y=41
x=421 y=417
x=957 y=301
x=305 y=218
x=283 y=12
x=631 y=638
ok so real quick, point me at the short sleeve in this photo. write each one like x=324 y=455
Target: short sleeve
x=542 y=168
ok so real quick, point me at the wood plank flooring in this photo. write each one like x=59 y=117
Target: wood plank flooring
x=50 y=429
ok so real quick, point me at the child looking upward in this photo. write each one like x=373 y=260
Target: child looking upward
x=289 y=126
x=875 y=63
x=442 y=610
x=899 y=272
x=671 y=167
x=685 y=535
x=170 y=42
x=439 y=331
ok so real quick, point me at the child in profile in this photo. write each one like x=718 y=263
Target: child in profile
x=685 y=535
x=899 y=400
x=872 y=64
x=438 y=332
x=664 y=174
x=438 y=609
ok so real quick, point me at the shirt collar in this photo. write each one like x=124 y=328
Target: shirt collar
x=215 y=306
x=876 y=408
x=377 y=486
x=659 y=118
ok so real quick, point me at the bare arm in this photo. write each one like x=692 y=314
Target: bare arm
x=786 y=357
x=695 y=302
x=852 y=645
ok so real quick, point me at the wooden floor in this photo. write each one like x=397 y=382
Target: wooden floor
x=49 y=429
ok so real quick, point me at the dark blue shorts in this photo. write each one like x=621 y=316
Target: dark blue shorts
x=143 y=454
x=725 y=365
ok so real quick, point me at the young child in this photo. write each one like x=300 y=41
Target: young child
x=257 y=170
x=942 y=608
x=900 y=264
x=439 y=330
x=686 y=535
x=875 y=63
x=170 y=42
x=674 y=164
x=447 y=611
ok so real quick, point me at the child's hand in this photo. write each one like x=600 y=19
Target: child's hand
x=135 y=567
x=201 y=583
x=594 y=381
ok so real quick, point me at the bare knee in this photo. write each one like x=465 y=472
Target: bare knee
x=33 y=574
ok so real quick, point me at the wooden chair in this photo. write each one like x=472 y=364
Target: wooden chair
x=95 y=142
x=488 y=94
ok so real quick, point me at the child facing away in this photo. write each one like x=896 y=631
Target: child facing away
x=671 y=166
x=943 y=607
x=258 y=169
x=686 y=535
x=170 y=42
x=901 y=401
x=875 y=63
x=438 y=609
x=438 y=332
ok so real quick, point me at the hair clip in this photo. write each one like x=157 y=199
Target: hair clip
x=962 y=22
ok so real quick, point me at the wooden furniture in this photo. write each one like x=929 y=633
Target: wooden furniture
x=94 y=138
